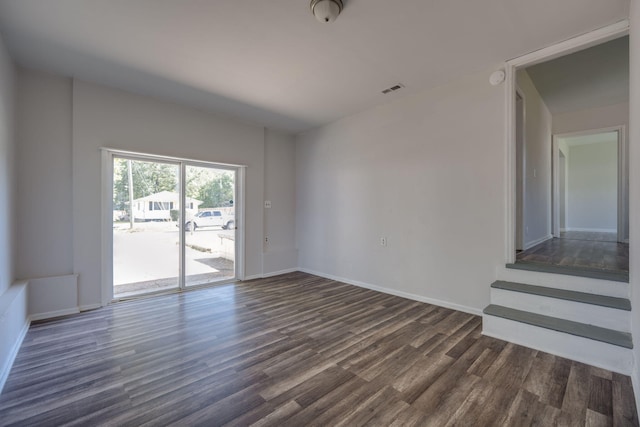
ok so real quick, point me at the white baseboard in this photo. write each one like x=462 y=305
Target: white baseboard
x=537 y=241
x=89 y=307
x=592 y=230
x=52 y=314
x=408 y=295
x=4 y=374
x=277 y=273
x=270 y=274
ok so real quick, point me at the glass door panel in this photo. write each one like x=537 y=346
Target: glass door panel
x=146 y=251
x=209 y=225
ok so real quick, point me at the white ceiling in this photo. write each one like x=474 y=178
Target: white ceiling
x=271 y=62
x=591 y=78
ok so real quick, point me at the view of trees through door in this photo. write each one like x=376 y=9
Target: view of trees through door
x=158 y=246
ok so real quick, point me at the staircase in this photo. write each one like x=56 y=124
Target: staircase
x=583 y=319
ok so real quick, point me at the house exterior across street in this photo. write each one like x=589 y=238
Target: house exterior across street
x=158 y=206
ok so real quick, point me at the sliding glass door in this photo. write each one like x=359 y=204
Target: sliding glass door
x=210 y=225
x=174 y=224
x=146 y=256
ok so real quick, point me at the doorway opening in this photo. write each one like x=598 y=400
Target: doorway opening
x=590 y=186
x=174 y=224
x=589 y=225
x=567 y=119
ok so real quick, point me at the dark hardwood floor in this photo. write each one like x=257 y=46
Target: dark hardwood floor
x=581 y=250
x=595 y=236
x=296 y=350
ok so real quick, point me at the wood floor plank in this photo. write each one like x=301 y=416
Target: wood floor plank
x=276 y=417
x=512 y=366
x=387 y=413
x=416 y=380
x=601 y=396
x=392 y=365
x=345 y=395
x=410 y=417
x=440 y=411
x=493 y=410
x=624 y=406
x=597 y=252
x=367 y=409
x=451 y=379
x=295 y=350
x=596 y=419
x=576 y=396
x=548 y=378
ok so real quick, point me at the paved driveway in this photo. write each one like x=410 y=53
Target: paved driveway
x=150 y=252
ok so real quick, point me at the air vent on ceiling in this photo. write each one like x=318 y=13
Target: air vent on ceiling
x=393 y=88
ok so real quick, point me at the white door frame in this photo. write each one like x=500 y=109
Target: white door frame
x=575 y=44
x=522 y=219
x=621 y=171
x=108 y=155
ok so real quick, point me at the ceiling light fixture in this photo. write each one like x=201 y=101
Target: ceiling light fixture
x=326 y=11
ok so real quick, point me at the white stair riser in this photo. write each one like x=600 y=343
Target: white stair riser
x=604 y=317
x=595 y=353
x=561 y=281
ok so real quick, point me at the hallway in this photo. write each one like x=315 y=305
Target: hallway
x=582 y=250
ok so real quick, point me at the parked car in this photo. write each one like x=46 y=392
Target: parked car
x=208 y=218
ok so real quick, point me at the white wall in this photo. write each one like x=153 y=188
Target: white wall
x=634 y=187
x=595 y=118
x=44 y=177
x=279 y=220
x=598 y=118
x=62 y=125
x=426 y=172
x=7 y=170
x=592 y=187
x=14 y=320
x=538 y=163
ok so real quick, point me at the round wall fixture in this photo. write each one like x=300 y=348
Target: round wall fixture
x=496 y=77
x=326 y=11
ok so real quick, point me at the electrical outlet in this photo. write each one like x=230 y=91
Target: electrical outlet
x=266 y=239
x=383 y=241
x=267 y=204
